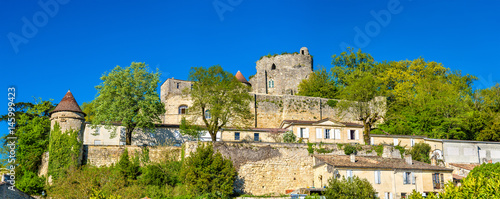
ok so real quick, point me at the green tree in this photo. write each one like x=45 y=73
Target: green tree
x=89 y=109
x=128 y=169
x=357 y=77
x=420 y=152
x=128 y=95
x=289 y=137
x=64 y=152
x=32 y=127
x=187 y=128
x=318 y=84
x=208 y=173
x=353 y=187
x=218 y=99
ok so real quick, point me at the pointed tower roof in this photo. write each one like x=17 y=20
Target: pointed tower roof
x=68 y=103
x=241 y=78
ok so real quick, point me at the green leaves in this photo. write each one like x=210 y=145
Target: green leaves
x=420 y=152
x=353 y=187
x=219 y=93
x=319 y=84
x=208 y=173
x=128 y=95
x=64 y=150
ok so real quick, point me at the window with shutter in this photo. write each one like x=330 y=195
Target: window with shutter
x=337 y=134
x=306 y=133
x=327 y=134
x=413 y=178
x=377 y=177
x=396 y=141
x=357 y=135
x=318 y=133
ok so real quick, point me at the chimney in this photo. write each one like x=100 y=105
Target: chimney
x=353 y=157
x=408 y=159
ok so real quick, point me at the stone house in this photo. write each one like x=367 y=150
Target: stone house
x=390 y=177
x=326 y=131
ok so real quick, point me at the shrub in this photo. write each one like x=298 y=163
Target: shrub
x=128 y=169
x=332 y=103
x=289 y=137
x=208 y=173
x=310 y=147
x=379 y=149
x=353 y=187
x=420 y=152
x=30 y=183
x=350 y=149
x=64 y=150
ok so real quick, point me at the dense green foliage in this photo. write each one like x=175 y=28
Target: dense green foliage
x=32 y=123
x=187 y=128
x=218 y=98
x=128 y=169
x=64 y=150
x=420 y=152
x=289 y=137
x=349 y=188
x=482 y=182
x=128 y=95
x=422 y=97
x=204 y=174
x=350 y=149
x=207 y=173
x=318 y=84
x=89 y=109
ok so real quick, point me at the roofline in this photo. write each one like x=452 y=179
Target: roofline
x=461 y=141
x=410 y=136
x=388 y=168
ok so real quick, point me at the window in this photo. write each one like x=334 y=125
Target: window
x=412 y=142
x=273 y=67
x=396 y=142
x=237 y=136
x=97 y=142
x=437 y=180
x=178 y=85
x=337 y=134
x=349 y=173
x=207 y=114
x=318 y=133
x=97 y=131
x=303 y=133
x=388 y=195
x=327 y=133
x=403 y=195
x=377 y=177
x=182 y=109
x=408 y=178
x=353 y=135
x=271 y=83
x=256 y=137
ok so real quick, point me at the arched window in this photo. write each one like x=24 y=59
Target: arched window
x=207 y=114
x=183 y=109
x=271 y=83
x=273 y=67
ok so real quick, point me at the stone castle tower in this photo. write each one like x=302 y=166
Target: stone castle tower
x=69 y=115
x=282 y=74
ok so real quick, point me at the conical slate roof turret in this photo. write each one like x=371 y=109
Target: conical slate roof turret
x=68 y=103
x=241 y=78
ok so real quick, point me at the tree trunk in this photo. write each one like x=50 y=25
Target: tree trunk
x=213 y=135
x=128 y=136
x=366 y=133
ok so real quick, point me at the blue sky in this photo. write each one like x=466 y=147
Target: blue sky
x=46 y=51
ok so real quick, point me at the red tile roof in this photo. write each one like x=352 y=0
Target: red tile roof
x=465 y=166
x=376 y=162
x=68 y=103
x=241 y=78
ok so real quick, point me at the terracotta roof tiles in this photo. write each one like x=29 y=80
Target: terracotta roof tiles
x=68 y=103
x=376 y=162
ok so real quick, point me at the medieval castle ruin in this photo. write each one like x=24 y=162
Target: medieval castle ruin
x=266 y=166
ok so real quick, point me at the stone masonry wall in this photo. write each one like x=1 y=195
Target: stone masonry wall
x=273 y=168
x=108 y=155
